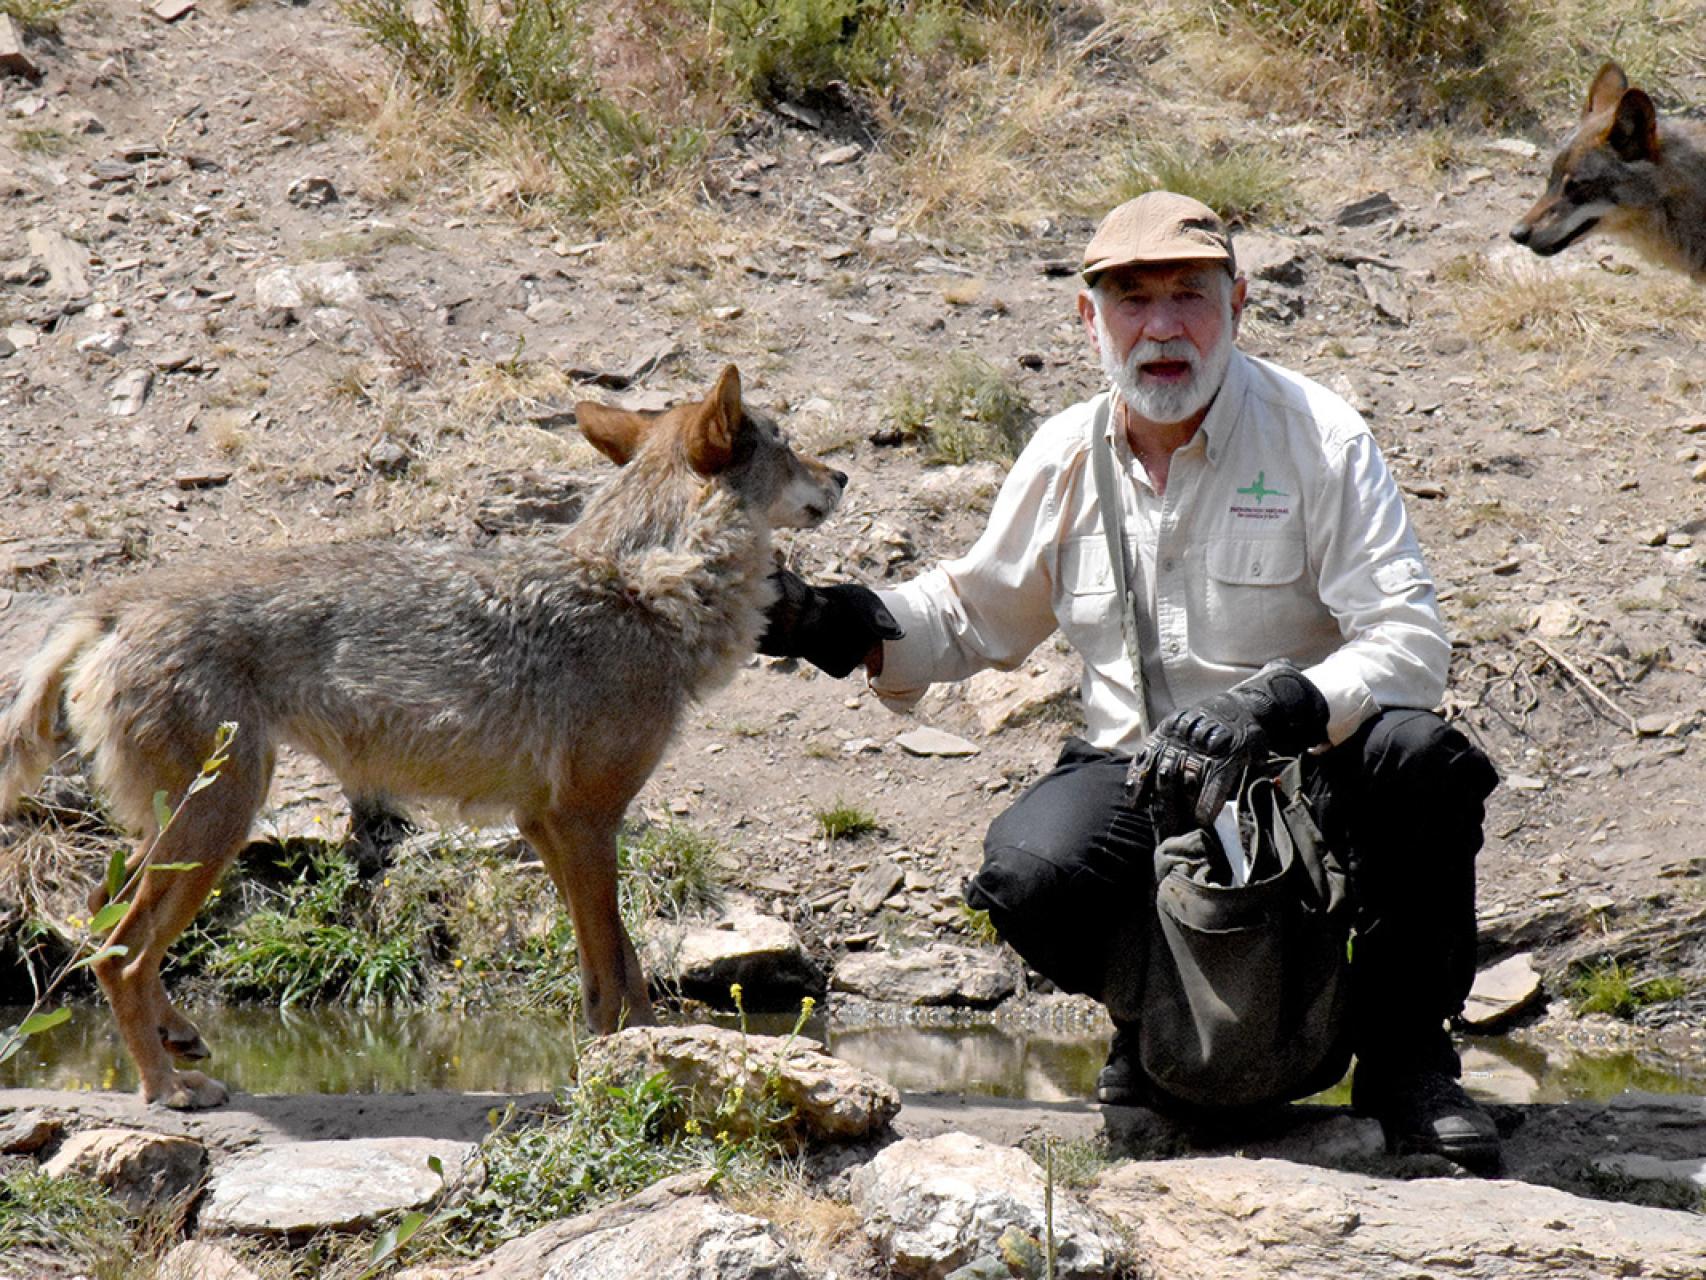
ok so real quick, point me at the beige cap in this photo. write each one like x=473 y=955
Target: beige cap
x=1159 y=226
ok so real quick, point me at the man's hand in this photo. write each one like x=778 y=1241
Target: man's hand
x=833 y=628
x=1196 y=759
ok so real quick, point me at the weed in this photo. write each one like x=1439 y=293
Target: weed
x=361 y=244
x=1077 y=1161
x=801 y=49
x=68 y=1215
x=970 y=411
x=38 y=17
x=1609 y=987
x=43 y=140
x=977 y=925
x=844 y=822
x=323 y=934
x=1244 y=184
x=672 y=869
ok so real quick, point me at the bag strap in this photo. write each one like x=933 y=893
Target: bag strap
x=1108 y=500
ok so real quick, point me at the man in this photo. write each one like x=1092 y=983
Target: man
x=1259 y=523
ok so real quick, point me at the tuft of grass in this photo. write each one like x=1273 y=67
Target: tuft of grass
x=969 y=411
x=1244 y=184
x=41 y=140
x=1533 y=307
x=37 y=17
x=844 y=822
x=1611 y=988
x=977 y=926
x=67 y=1216
x=320 y=934
x=672 y=869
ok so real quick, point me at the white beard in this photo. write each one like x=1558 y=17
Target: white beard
x=1165 y=404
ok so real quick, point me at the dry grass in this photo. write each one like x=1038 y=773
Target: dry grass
x=1380 y=61
x=1572 y=313
x=821 y=1230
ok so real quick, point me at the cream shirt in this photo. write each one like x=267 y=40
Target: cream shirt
x=1281 y=534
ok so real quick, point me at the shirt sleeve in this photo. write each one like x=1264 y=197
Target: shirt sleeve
x=1375 y=582
x=993 y=605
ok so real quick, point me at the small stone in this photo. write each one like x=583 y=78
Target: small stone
x=130 y=391
x=1699 y=474
x=926 y=741
x=24 y=1132
x=1501 y=992
x=108 y=342
x=1522 y=148
x=202 y=477
x=389 y=458
x=862 y=317
x=1658 y=722
x=875 y=884
x=727 y=313
x=884 y=235
x=312 y=192
x=141 y=1169
x=1524 y=782
x=171 y=10
x=1652 y=536
x=1692 y=425
x=1359 y=213
x=840 y=155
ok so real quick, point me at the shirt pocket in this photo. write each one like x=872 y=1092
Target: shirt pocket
x=1087 y=599
x=1256 y=603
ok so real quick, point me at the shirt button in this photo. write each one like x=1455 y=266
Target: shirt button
x=1167 y=565
x=1173 y=647
x=1255 y=571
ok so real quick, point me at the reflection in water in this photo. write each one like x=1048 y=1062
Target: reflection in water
x=328 y=1050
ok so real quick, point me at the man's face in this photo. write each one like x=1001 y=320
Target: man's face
x=1164 y=334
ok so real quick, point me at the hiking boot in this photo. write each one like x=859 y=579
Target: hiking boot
x=1123 y=1082
x=1424 y=1110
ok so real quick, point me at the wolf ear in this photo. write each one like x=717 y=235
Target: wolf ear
x=616 y=433
x=711 y=438
x=1608 y=86
x=1635 y=130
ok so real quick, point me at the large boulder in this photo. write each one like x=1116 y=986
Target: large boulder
x=932 y=1205
x=934 y=974
x=785 y=1085
x=303 y=1187
x=741 y=945
x=1228 y=1218
x=140 y=1169
x=670 y=1231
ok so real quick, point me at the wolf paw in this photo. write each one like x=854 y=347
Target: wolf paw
x=191 y=1091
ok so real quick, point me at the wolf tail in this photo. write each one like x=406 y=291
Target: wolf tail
x=29 y=736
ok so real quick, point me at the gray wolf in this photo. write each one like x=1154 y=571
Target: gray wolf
x=1624 y=171
x=541 y=680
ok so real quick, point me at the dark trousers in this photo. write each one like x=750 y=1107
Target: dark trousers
x=1068 y=869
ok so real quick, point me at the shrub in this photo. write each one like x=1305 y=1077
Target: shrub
x=1243 y=184
x=970 y=411
x=844 y=822
x=1610 y=987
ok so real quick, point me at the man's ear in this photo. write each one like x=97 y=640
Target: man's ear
x=1240 y=294
x=711 y=437
x=616 y=433
x=1087 y=313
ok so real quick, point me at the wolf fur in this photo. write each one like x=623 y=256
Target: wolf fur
x=545 y=680
x=1624 y=171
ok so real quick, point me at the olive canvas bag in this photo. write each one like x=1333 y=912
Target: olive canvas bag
x=1246 y=988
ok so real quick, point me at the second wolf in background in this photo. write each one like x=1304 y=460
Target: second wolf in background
x=1628 y=173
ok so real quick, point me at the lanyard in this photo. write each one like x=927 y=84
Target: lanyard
x=1108 y=499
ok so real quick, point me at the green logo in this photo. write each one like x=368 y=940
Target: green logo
x=1260 y=489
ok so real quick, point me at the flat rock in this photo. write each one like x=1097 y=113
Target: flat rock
x=65 y=260
x=14 y=58
x=1263 y=256
x=1372 y=208
x=1228 y=1218
x=672 y=1230
x=1047 y=682
x=933 y=1204
x=303 y=1187
x=925 y=741
x=27 y=1131
x=826 y=1099
x=742 y=944
x=1502 y=992
x=875 y=883
x=937 y=974
x=129 y=392
x=1385 y=291
x=141 y=1169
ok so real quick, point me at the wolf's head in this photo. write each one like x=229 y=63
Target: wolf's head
x=721 y=439
x=1603 y=173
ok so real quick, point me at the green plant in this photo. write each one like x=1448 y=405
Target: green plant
x=68 y=1215
x=1610 y=987
x=970 y=410
x=800 y=48
x=672 y=869
x=1244 y=184
x=42 y=141
x=977 y=925
x=843 y=821
x=324 y=934
x=39 y=17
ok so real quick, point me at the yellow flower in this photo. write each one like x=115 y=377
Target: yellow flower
x=456 y=963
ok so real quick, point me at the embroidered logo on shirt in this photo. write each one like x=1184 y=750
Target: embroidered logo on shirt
x=1259 y=490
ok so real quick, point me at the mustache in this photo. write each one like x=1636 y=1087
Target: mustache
x=1147 y=352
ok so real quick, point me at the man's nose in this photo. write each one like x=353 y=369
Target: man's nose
x=1162 y=323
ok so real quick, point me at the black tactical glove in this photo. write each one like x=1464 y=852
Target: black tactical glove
x=830 y=627
x=1194 y=761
